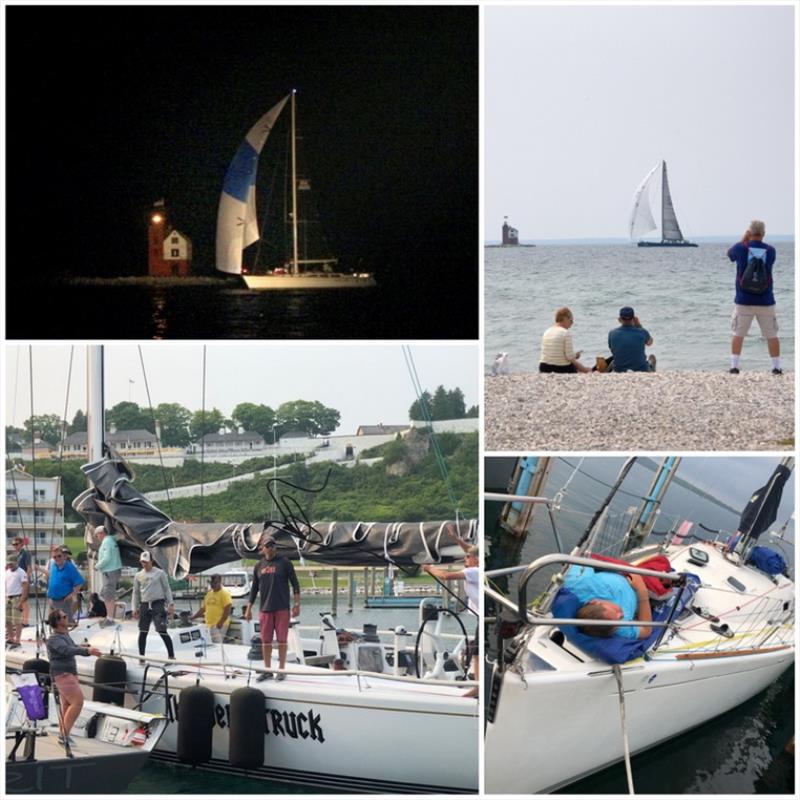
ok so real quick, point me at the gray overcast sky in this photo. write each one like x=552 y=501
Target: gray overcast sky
x=367 y=383
x=580 y=102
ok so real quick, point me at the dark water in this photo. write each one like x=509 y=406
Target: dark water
x=683 y=296
x=740 y=752
x=395 y=309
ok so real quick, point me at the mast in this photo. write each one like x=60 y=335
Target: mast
x=648 y=510
x=295 y=269
x=95 y=424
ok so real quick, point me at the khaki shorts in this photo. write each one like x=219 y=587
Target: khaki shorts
x=13 y=613
x=743 y=317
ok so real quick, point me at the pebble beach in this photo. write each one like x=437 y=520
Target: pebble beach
x=685 y=410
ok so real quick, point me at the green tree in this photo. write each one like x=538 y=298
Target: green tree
x=422 y=407
x=258 y=418
x=309 y=416
x=202 y=423
x=78 y=423
x=13 y=434
x=127 y=416
x=440 y=406
x=174 y=420
x=472 y=412
x=46 y=426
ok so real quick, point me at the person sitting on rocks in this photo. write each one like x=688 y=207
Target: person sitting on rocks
x=558 y=354
x=627 y=343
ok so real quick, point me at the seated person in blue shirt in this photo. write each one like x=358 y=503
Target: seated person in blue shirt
x=627 y=344
x=610 y=595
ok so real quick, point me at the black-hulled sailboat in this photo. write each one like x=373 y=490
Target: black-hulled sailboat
x=642 y=220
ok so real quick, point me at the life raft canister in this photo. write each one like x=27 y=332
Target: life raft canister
x=195 y=724
x=110 y=677
x=246 y=740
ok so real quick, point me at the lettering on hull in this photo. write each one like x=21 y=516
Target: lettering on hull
x=288 y=724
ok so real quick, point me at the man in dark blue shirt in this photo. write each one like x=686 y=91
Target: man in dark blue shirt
x=627 y=344
x=748 y=304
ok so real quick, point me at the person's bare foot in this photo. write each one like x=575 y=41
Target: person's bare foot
x=473 y=692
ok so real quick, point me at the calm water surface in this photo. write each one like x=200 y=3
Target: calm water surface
x=683 y=296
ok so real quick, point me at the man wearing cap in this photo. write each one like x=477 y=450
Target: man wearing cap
x=109 y=565
x=16 y=597
x=23 y=562
x=759 y=303
x=271 y=577
x=627 y=344
x=63 y=582
x=152 y=602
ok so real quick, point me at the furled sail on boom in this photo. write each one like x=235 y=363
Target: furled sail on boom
x=237 y=226
x=182 y=548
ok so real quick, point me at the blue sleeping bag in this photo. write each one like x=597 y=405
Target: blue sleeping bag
x=619 y=649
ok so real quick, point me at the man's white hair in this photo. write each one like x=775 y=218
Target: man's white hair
x=757 y=227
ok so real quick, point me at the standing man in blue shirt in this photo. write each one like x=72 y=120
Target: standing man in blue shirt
x=63 y=583
x=627 y=344
x=754 y=295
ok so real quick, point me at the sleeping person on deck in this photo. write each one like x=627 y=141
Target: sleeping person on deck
x=611 y=596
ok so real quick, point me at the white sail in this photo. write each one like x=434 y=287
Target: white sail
x=237 y=226
x=642 y=220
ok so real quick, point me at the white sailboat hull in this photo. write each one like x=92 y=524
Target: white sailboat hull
x=315 y=281
x=565 y=709
x=362 y=733
x=563 y=727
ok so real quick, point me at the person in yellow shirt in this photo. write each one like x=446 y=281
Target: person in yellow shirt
x=217 y=606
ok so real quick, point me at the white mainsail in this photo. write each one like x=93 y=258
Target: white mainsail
x=237 y=226
x=642 y=220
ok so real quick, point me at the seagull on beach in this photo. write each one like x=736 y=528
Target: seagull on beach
x=500 y=365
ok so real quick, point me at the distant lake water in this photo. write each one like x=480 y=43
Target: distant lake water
x=683 y=296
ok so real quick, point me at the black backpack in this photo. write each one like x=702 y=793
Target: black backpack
x=755 y=279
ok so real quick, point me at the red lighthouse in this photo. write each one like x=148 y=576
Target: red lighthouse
x=169 y=251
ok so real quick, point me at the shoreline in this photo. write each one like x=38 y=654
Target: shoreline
x=682 y=410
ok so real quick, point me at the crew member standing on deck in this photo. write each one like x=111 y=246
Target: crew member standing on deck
x=471 y=575
x=271 y=577
x=152 y=602
x=754 y=296
x=216 y=608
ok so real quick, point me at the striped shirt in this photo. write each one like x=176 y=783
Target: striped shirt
x=557 y=347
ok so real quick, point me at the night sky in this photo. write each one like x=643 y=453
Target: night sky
x=110 y=109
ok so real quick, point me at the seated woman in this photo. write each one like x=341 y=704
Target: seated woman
x=558 y=354
x=611 y=596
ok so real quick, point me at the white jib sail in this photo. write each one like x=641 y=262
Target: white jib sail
x=642 y=221
x=237 y=225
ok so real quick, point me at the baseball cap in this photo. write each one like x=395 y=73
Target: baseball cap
x=626 y=312
x=145 y=556
x=65 y=550
x=269 y=542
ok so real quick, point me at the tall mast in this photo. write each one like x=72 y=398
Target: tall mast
x=295 y=269
x=95 y=429
x=95 y=424
x=664 y=195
